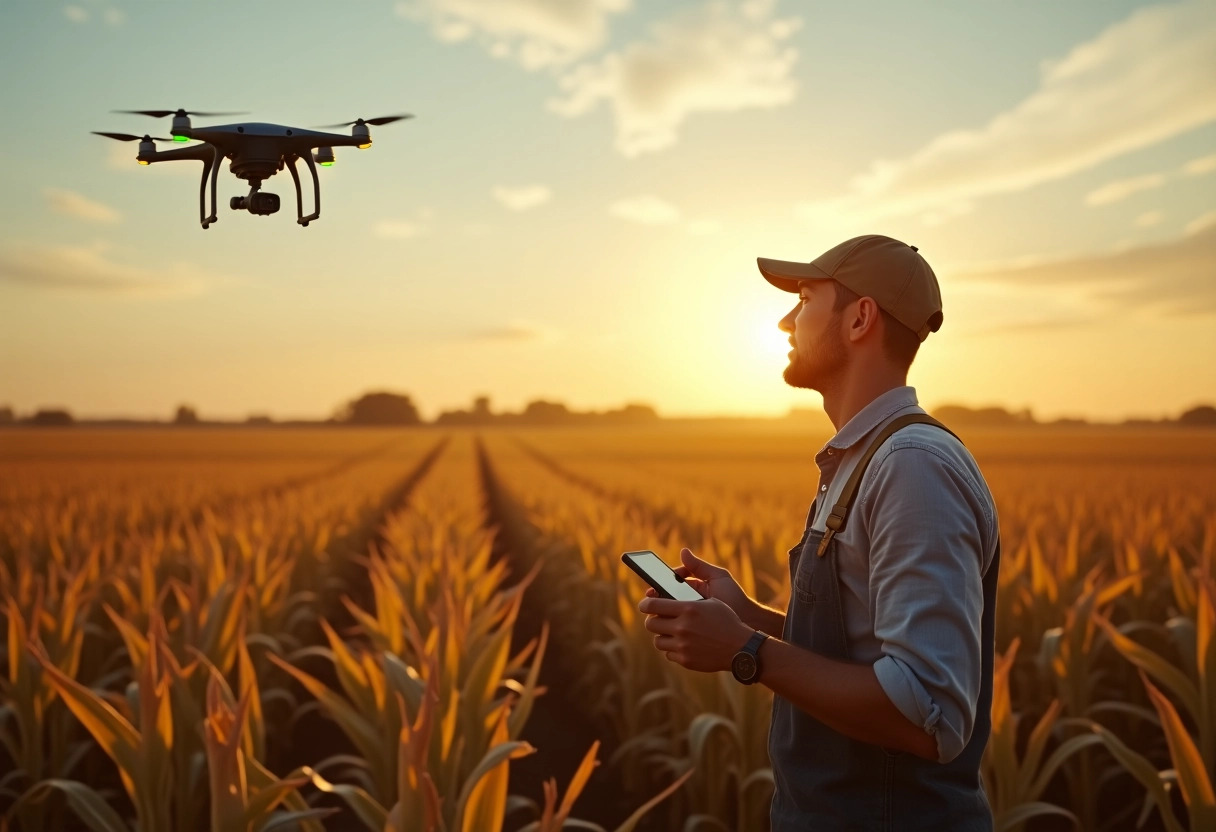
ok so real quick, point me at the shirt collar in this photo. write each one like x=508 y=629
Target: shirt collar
x=872 y=415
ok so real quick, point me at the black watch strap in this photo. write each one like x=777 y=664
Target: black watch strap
x=753 y=643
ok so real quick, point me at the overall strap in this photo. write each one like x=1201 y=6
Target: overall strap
x=840 y=513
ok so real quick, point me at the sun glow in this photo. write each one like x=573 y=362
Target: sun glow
x=763 y=345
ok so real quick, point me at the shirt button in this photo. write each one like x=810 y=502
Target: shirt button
x=823 y=488
x=829 y=451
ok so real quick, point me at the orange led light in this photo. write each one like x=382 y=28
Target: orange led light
x=365 y=146
x=141 y=161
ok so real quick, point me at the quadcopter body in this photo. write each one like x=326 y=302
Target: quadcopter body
x=256 y=150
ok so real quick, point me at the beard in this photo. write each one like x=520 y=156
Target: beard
x=827 y=358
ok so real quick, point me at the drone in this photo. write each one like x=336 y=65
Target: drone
x=257 y=150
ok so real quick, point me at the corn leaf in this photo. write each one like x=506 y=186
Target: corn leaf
x=1192 y=777
x=88 y=805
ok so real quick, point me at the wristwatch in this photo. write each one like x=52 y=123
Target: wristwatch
x=746 y=664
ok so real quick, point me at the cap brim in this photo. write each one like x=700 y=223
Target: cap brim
x=785 y=275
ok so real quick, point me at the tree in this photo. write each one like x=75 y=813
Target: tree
x=186 y=415
x=993 y=417
x=1204 y=414
x=631 y=413
x=380 y=408
x=6 y=415
x=543 y=412
x=52 y=417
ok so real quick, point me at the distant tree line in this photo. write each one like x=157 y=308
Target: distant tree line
x=542 y=412
x=1201 y=416
x=385 y=408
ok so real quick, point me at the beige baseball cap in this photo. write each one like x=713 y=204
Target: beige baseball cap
x=893 y=273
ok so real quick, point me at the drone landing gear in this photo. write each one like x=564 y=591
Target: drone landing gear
x=211 y=167
x=316 y=190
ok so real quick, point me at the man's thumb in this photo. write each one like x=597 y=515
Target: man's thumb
x=697 y=567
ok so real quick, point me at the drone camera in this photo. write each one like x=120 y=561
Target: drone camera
x=259 y=203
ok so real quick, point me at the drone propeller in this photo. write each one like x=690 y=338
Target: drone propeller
x=374 y=122
x=127 y=137
x=163 y=113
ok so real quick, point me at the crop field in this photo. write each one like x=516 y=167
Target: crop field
x=430 y=629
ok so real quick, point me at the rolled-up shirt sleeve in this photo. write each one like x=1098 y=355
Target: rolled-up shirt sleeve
x=926 y=526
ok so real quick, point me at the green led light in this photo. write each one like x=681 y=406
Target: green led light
x=326 y=164
x=181 y=138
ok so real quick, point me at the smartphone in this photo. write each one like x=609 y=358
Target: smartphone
x=660 y=576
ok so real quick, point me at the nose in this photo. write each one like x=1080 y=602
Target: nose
x=786 y=324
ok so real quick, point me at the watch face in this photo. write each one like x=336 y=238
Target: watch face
x=743 y=666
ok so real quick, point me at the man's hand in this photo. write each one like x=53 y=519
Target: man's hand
x=712 y=582
x=699 y=635
x=717 y=582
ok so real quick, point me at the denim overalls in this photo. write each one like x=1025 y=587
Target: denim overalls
x=826 y=781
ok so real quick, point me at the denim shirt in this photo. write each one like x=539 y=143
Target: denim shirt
x=921 y=535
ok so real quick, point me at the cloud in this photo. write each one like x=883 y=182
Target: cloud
x=1174 y=277
x=513 y=331
x=90 y=269
x=720 y=57
x=535 y=33
x=1033 y=325
x=1200 y=166
x=1148 y=219
x=647 y=210
x=1119 y=189
x=399 y=229
x=75 y=205
x=1141 y=81
x=78 y=14
x=1201 y=223
x=523 y=198
x=651 y=210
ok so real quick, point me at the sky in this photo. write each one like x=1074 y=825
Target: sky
x=575 y=210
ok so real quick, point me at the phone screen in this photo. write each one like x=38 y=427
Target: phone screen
x=663 y=575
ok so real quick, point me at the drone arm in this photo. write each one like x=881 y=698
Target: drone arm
x=198 y=153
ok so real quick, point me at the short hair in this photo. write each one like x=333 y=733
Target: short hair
x=898 y=342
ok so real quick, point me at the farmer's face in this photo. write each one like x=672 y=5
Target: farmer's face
x=819 y=351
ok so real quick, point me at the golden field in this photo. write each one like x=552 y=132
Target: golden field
x=256 y=629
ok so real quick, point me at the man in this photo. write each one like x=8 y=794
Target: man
x=881 y=665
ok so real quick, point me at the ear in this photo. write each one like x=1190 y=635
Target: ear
x=865 y=319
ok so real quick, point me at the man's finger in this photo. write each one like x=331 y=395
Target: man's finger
x=664 y=643
x=698 y=567
x=663 y=606
x=659 y=625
